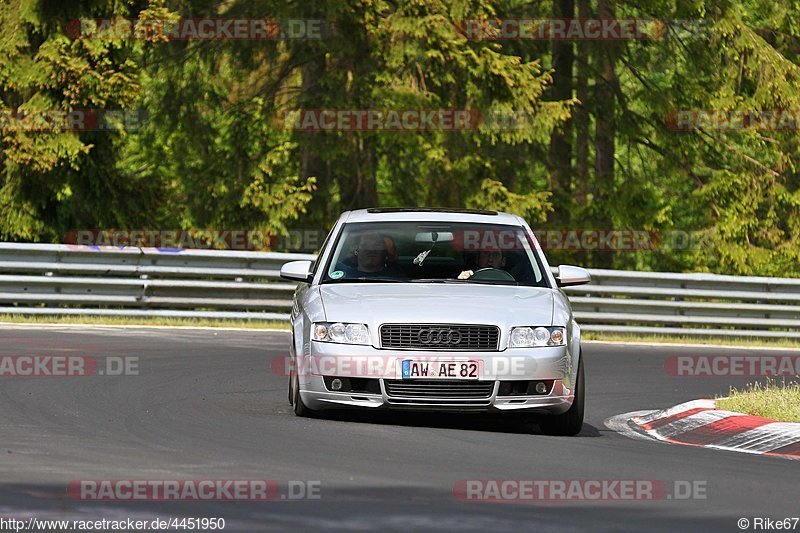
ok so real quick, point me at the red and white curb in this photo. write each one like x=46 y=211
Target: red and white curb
x=700 y=423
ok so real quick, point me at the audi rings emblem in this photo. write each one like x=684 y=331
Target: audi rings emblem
x=439 y=336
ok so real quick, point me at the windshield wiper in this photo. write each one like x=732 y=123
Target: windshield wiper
x=435 y=280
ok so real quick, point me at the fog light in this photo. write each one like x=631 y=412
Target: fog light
x=336 y=384
x=541 y=387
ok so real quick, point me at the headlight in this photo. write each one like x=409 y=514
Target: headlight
x=340 y=332
x=528 y=336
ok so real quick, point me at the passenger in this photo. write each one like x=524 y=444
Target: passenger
x=486 y=259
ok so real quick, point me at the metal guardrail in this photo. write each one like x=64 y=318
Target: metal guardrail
x=44 y=279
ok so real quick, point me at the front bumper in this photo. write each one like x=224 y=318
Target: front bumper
x=513 y=364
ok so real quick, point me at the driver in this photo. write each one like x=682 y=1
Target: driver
x=486 y=259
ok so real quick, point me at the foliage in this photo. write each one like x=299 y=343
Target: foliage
x=213 y=150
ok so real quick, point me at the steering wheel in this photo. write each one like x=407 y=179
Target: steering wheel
x=492 y=274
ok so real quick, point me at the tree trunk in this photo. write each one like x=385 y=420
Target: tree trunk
x=357 y=179
x=605 y=106
x=581 y=113
x=561 y=138
x=311 y=165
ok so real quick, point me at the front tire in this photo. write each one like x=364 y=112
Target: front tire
x=570 y=422
x=300 y=409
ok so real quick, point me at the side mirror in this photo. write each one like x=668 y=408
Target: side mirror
x=297 y=271
x=569 y=275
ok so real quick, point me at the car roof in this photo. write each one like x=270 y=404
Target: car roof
x=426 y=214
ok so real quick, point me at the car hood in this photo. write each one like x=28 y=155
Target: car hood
x=448 y=303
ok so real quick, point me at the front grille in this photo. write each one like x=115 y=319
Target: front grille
x=453 y=337
x=439 y=389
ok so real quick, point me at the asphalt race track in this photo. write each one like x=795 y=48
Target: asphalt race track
x=207 y=405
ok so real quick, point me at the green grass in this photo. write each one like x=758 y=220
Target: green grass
x=777 y=401
x=144 y=321
x=691 y=339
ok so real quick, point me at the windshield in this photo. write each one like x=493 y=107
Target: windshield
x=417 y=252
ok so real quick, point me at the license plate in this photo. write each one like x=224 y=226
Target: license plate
x=440 y=369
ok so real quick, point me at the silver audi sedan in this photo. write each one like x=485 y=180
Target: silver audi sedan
x=436 y=309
